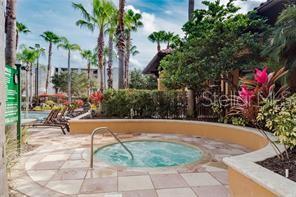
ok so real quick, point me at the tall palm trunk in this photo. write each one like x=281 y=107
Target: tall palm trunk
x=48 y=67
x=3 y=176
x=16 y=40
x=110 y=61
x=190 y=9
x=191 y=107
x=31 y=84
x=100 y=55
x=104 y=72
x=88 y=77
x=121 y=44
x=37 y=81
x=27 y=90
x=127 y=58
x=158 y=46
x=37 y=78
x=10 y=50
x=69 y=77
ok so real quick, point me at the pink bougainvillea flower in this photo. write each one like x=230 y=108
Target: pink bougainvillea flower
x=246 y=94
x=261 y=76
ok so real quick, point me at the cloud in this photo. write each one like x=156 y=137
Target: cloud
x=147 y=19
x=59 y=16
x=168 y=12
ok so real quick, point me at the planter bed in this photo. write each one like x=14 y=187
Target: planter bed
x=278 y=166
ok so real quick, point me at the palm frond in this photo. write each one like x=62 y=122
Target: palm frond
x=83 y=23
x=85 y=14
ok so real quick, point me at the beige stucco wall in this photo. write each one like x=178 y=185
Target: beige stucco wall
x=241 y=186
x=223 y=132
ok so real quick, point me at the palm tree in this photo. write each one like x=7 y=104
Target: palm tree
x=175 y=42
x=65 y=44
x=28 y=56
x=112 y=24
x=87 y=55
x=121 y=43
x=168 y=37
x=40 y=51
x=20 y=28
x=190 y=9
x=3 y=177
x=90 y=57
x=10 y=27
x=157 y=37
x=132 y=22
x=52 y=39
x=101 y=12
x=283 y=43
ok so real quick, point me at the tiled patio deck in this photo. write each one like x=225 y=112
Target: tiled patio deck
x=60 y=167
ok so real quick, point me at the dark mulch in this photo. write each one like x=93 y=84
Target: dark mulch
x=279 y=166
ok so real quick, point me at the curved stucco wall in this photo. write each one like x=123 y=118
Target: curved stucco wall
x=246 y=178
x=244 y=136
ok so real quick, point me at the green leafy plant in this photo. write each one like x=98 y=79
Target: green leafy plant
x=144 y=104
x=280 y=118
x=252 y=95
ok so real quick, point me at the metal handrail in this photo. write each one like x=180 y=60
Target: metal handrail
x=101 y=129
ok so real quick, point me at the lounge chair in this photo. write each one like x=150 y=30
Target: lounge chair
x=51 y=121
x=60 y=118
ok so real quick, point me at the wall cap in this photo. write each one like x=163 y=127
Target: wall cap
x=245 y=165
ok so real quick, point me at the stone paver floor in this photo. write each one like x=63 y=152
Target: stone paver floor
x=60 y=167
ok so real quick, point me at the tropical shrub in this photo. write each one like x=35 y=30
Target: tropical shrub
x=142 y=82
x=37 y=108
x=96 y=98
x=254 y=92
x=280 y=118
x=252 y=95
x=78 y=103
x=50 y=103
x=144 y=104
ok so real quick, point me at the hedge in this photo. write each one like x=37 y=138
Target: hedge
x=145 y=104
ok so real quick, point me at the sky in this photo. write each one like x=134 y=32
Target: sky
x=59 y=17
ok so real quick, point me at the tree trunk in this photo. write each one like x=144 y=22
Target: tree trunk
x=37 y=79
x=127 y=58
x=69 y=77
x=190 y=9
x=88 y=77
x=121 y=44
x=158 y=46
x=27 y=91
x=31 y=84
x=48 y=67
x=168 y=45
x=104 y=72
x=190 y=103
x=10 y=50
x=110 y=61
x=17 y=40
x=100 y=55
x=3 y=177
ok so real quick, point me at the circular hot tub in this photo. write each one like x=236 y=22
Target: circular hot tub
x=148 y=153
